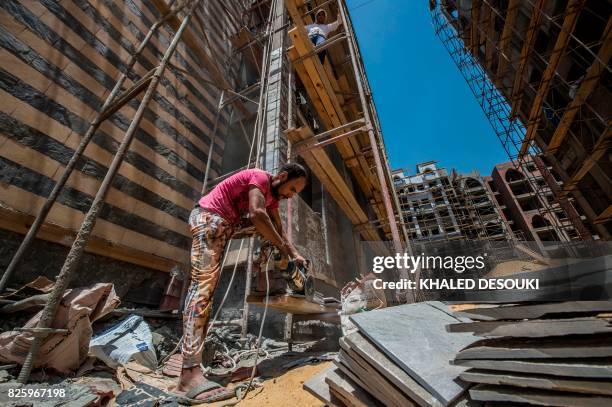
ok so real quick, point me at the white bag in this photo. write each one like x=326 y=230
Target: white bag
x=131 y=339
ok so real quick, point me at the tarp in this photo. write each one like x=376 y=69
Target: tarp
x=64 y=352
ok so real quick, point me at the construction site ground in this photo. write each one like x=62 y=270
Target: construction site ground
x=286 y=389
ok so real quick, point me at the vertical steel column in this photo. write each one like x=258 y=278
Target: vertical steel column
x=100 y=117
x=368 y=123
x=76 y=251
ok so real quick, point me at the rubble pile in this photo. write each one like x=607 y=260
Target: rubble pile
x=99 y=353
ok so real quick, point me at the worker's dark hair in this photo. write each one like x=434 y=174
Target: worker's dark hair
x=293 y=170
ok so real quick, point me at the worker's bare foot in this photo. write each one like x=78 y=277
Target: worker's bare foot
x=192 y=379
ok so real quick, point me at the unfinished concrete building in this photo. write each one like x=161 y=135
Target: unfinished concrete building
x=540 y=70
x=441 y=206
x=521 y=206
x=244 y=87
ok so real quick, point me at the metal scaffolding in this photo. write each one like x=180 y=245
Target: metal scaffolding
x=508 y=127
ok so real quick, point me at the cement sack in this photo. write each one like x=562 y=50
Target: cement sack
x=64 y=352
x=130 y=339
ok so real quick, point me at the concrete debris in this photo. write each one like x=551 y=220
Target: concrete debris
x=5 y=376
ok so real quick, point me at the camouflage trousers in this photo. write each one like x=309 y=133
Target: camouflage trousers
x=211 y=233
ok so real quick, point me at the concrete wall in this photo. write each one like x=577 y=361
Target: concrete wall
x=59 y=60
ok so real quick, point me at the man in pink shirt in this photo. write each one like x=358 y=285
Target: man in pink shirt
x=250 y=196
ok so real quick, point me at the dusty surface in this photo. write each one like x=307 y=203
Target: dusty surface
x=286 y=390
x=511 y=267
x=519 y=266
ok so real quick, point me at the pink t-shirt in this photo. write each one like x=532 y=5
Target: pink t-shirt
x=230 y=198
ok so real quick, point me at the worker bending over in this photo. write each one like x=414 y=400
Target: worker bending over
x=319 y=31
x=250 y=196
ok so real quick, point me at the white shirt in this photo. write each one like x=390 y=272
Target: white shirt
x=322 y=29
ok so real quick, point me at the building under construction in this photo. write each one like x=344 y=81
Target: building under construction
x=540 y=70
x=117 y=116
x=243 y=88
x=442 y=206
x=521 y=206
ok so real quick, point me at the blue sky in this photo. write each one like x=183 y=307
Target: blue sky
x=426 y=109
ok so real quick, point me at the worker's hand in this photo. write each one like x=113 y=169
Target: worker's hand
x=300 y=261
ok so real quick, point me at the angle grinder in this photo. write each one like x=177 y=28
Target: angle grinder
x=299 y=279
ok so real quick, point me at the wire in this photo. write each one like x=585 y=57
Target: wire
x=365 y=3
x=263 y=320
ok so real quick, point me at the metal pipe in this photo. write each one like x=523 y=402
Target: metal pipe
x=327 y=133
x=321 y=47
x=93 y=127
x=78 y=246
x=335 y=139
x=241 y=94
x=372 y=136
x=247 y=289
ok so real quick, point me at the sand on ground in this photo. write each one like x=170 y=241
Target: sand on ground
x=284 y=390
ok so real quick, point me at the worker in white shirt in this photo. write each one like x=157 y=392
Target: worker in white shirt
x=319 y=31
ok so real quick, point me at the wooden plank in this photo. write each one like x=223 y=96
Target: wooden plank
x=349 y=390
x=489 y=35
x=534 y=311
x=587 y=86
x=590 y=346
x=594 y=368
x=290 y=304
x=386 y=367
x=309 y=86
x=504 y=41
x=526 y=50
x=325 y=87
x=321 y=88
x=536 y=328
x=422 y=325
x=325 y=91
x=322 y=166
x=506 y=394
x=602 y=145
x=572 y=11
x=604 y=216
x=475 y=17
x=526 y=380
